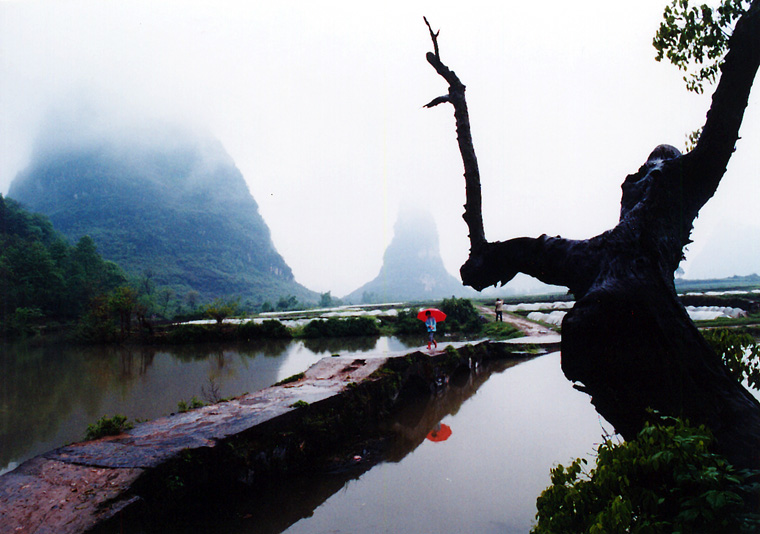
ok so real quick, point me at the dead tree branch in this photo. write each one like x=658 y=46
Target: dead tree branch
x=473 y=209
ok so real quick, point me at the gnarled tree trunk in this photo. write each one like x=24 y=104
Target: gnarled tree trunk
x=628 y=342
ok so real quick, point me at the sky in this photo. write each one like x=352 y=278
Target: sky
x=319 y=103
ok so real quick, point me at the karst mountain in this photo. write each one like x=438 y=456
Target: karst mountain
x=165 y=202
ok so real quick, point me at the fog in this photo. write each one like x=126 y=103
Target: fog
x=320 y=106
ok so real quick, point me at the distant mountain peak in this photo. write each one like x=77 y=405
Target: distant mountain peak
x=412 y=266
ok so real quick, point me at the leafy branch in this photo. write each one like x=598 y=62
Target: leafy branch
x=695 y=38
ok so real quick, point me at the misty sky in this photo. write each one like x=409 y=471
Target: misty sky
x=320 y=106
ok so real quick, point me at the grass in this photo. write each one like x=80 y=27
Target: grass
x=108 y=426
x=288 y=380
x=501 y=330
x=194 y=403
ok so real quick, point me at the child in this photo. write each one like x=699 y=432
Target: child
x=430 y=324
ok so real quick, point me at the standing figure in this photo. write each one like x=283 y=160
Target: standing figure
x=499 y=306
x=430 y=324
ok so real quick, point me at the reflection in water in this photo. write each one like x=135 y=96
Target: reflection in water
x=441 y=432
x=507 y=432
x=285 y=502
x=332 y=345
x=49 y=394
x=485 y=478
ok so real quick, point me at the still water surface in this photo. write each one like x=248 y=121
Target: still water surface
x=49 y=394
x=486 y=476
x=509 y=426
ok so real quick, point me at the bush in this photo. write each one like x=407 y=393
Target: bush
x=348 y=327
x=664 y=481
x=461 y=316
x=108 y=426
x=270 y=329
x=194 y=403
x=407 y=324
x=740 y=353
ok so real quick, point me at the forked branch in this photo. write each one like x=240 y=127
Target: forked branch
x=473 y=215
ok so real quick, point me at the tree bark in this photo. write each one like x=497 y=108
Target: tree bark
x=628 y=342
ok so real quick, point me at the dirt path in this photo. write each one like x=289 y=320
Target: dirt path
x=529 y=328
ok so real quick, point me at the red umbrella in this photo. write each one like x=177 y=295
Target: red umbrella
x=441 y=432
x=437 y=314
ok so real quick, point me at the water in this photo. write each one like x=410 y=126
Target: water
x=508 y=429
x=50 y=394
x=486 y=476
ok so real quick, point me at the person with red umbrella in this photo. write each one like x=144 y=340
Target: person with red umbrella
x=431 y=316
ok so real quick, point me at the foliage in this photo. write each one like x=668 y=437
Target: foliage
x=248 y=331
x=122 y=302
x=695 y=38
x=406 y=323
x=294 y=378
x=666 y=480
x=108 y=426
x=40 y=271
x=501 y=330
x=325 y=300
x=300 y=404
x=180 y=218
x=287 y=303
x=461 y=316
x=109 y=317
x=342 y=327
x=220 y=309
x=194 y=403
x=21 y=320
x=740 y=353
x=269 y=329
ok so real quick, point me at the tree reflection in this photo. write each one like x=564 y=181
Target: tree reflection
x=342 y=344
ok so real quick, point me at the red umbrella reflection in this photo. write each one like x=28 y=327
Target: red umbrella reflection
x=441 y=432
x=437 y=314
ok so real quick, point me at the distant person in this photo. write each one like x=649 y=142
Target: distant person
x=499 y=307
x=430 y=324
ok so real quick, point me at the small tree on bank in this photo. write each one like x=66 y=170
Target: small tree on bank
x=220 y=309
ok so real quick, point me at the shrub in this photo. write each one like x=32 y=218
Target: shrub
x=666 y=480
x=194 y=403
x=739 y=351
x=220 y=309
x=294 y=378
x=461 y=316
x=271 y=329
x=407 y=323
x=108 y=426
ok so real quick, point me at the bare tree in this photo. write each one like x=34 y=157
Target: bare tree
x=628 y=342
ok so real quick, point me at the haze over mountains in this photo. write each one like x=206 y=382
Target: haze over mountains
x=412 y=265
x=162 y=201
x=168 y=204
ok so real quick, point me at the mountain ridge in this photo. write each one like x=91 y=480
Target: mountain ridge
x=172 y=206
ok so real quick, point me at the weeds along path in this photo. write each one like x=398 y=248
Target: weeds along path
x=529 y=328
